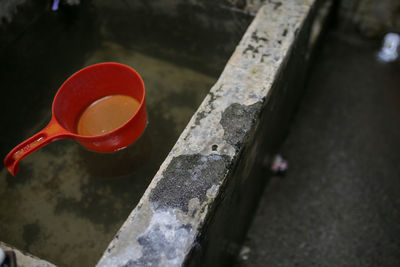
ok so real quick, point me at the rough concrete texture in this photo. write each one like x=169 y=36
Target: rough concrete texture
x=223 y=233
x=25 y=259
x=237 y=120
x=211 y=140
x=188 y=177
x=339 y=203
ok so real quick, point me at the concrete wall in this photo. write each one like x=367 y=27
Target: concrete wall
x=223 y=234
x=198 y=206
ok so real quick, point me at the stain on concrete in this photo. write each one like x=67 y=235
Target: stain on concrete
x=153 y=242
x=188 y=177
x=277 y=5
x=163 y=244
x=237 y=120
x=202 y=114
x=255 y=37
x=264 y=55
x=156 y=244
x=258 y=42
x=253 y=49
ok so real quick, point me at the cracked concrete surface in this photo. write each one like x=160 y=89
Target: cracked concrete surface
x=180 y=197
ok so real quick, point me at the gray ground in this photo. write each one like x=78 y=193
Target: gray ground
x=339 y=204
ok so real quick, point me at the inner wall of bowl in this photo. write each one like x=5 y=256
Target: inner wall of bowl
x=106 y=115
x=91 y=84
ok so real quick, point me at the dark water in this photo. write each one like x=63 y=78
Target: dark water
x=339 y=204
x=67 y=203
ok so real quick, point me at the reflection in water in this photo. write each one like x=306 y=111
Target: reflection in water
x=122 y=163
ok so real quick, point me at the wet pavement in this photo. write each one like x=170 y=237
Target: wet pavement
x=339 y=203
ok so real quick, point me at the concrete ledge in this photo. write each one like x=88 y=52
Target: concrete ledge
x=25 y=259
x=180 y=213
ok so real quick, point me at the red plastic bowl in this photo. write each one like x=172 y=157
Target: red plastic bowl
x=74 y=96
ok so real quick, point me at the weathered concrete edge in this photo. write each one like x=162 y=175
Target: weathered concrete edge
x=223 y=233
x=162 y=229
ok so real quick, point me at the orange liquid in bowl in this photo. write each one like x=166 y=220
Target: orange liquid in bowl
x=107 y=114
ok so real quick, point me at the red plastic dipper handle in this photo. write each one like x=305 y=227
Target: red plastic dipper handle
x=51 y=132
